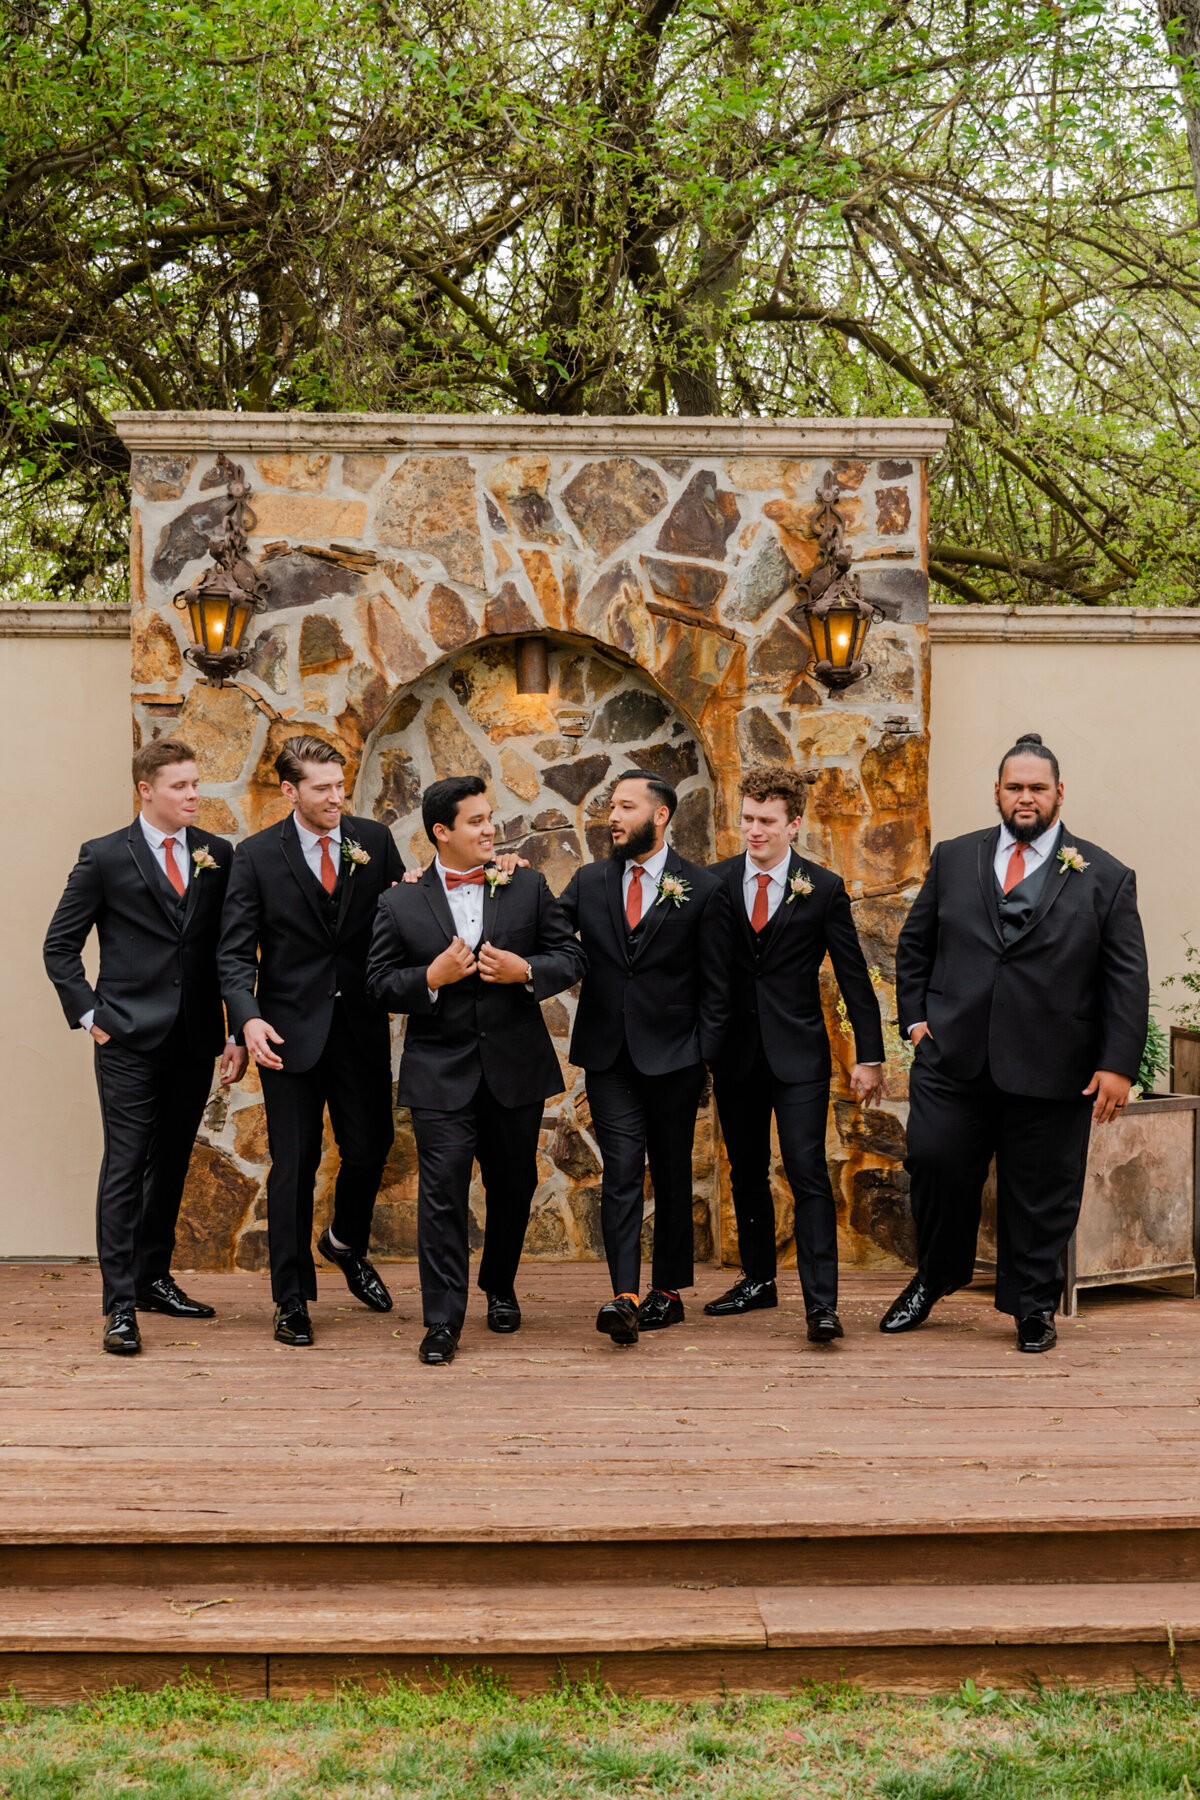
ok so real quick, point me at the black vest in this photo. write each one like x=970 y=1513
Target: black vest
x=1016 y=908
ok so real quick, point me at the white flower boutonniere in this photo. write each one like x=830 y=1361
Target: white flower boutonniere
x=799 y=884
x=673 y=888
x=496 y=878
x=1070 y=859
x=203 y=859
x=354 y=854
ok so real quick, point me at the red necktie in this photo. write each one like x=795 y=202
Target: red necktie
x=1016 y=868
x=633 y=899
x=173 y=875
x=474 y=879
x=328 y=872
x=758 y=917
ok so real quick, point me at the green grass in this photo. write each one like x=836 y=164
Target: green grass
x=472 y=1741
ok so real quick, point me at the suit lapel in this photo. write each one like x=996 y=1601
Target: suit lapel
x=657 y=909
x=351 y=875
x=1052 y=886
x=613 y=872
x=191 y=842
x=492 y=926
x=987 y=878
x=289 y=843
x=736 y=876
x=143 y=856
x=430 y=885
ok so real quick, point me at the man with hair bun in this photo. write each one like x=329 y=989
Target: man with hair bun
x=153 y=891
x=293 y=961
x=1021 y=979
x=788 y=913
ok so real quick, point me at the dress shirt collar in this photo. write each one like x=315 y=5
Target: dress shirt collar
x=156 y=838
x=1041 y=846
x=778 y=873
x=443 y=871
x=653 y=867
x=310 y=839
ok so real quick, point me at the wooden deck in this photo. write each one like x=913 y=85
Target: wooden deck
x=723 y=1505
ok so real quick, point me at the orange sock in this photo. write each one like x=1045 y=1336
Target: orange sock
x=632 y=1297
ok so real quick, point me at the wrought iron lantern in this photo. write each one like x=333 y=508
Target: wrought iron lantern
x=533 y=666
x=223 y=599
x=830 y=602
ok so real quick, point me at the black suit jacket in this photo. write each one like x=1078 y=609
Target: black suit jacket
x=1068 y=996
x=283 y=959
x=474 y=1028
x=776 y=997
x=156 y=955
x=668 y=998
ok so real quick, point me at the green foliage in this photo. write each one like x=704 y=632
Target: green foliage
x=1156 y=1057
x=1186 y=1011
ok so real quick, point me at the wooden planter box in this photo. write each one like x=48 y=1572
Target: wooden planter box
x=1185 y=1061
x=1139 y=1220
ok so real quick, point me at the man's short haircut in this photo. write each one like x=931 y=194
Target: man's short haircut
x=662 y=793
x=776 y=781
x=289 y=764
x=1031 y=745
x=159 y=754
x=441 y=800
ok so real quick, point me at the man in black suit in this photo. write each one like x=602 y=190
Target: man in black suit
x=788 y=913
x=293 y=964
x=467 y=952
x=652 y=1011
x=1021 y=978
x=153 y=892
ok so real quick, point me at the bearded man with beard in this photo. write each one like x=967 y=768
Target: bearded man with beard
x=653 y=1009
x=1021 y=979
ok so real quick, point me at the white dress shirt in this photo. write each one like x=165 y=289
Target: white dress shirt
x=310 y=843
x=1036 y=852
x=653 y=870
x=775 y=891
x=465 y=902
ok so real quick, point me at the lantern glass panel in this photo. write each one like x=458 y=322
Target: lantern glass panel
x=239 y=618
x=844 y=626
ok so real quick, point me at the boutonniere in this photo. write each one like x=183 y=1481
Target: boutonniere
x=496 y=878
x=799 y=884
x=673 y=888
x=203 y=859
x=1070 y=858
x=354 y=854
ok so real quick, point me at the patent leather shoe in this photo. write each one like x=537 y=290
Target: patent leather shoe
x=292 y=1324
x=619 y=1318
x=1036 y=1333
x=824 y=1325
x=911 y=1308
x=658 y=1310
x=361 y=1277
x=503 y=1313
x=166 y=1296
x=438 y=1345
x=121 y=1334
x=743 y=1297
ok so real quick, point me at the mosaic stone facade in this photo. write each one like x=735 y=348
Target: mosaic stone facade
x=403 y=557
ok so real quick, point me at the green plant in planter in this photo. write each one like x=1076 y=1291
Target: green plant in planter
x=1156 y=1057
x=1186 y=1012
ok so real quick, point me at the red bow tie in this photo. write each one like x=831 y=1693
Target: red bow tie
x=454 y=880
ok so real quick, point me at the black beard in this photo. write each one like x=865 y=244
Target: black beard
x=639 y=841
x=1025 y=834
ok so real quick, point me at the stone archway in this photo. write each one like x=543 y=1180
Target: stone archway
x=548 y=760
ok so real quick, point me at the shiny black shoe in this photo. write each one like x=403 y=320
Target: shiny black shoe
x=619 y=1318
x=743 y=1297
x=292 y=1324
x=658 y=1310
x=911 y=1308
x=438 y=1345
x=824 y=1325
x=1036 y=1333
x=166 y=1296
x=361 y=1277
x=504 y=1315
x=121 y=1334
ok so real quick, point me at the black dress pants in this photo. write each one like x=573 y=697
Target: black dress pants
x=638 y=1119
x=151 y=1104
x=1040 y=1146
x=355 y=1081
x=504 y=1140
x=745 y=1103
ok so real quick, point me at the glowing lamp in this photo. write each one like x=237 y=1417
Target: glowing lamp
x=830 y=603
x=224 y=598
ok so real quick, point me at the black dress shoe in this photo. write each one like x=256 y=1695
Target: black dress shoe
x=824 y=1325
x=743 y=1297
x=361 y=1277
x=292 y=1323
x=1036 y=1333
x=504 y=1314
x=121 y=1334
x=911 y=1308
x=619 y=1318
x=658 y=1310
x=166 y=1296
x=438 y=1345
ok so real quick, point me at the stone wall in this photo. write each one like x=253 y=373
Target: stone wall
x=403 y=557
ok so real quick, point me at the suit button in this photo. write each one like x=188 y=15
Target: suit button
x=483 y=1034
x=176 y=982
x=332 y=993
